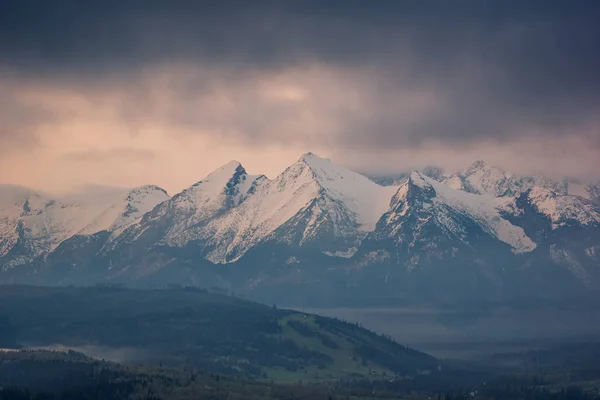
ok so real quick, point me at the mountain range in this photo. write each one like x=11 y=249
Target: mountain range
x=318 y=233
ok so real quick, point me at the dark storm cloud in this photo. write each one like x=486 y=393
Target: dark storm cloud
x=499 y=69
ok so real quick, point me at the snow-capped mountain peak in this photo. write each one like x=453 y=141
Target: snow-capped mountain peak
x=454 y=210
x=478 y=165
x=225 y=187
x=563 y=210
x=186 y=215
x=127 y=210
x=482 y=178
x=367 y=200
x=310 y=197
x=14 y=203
x=38 y=224
x=229 y=212
x=310 y=156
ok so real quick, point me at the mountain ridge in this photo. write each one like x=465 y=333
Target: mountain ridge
x=316 y=225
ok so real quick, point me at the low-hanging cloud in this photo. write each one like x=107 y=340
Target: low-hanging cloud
x=344 y=76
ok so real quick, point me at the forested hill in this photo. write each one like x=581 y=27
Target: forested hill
x=190 y=327
x=42 y=375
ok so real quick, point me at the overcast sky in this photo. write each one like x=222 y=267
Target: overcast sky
x=133 y=92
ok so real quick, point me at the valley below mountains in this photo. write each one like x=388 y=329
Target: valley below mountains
x=319 y=234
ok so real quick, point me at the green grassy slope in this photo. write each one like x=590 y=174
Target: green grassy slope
x=182 y=327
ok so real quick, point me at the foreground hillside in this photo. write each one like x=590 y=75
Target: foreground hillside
x=553 y=374
x=182 y=327
x=55 y=375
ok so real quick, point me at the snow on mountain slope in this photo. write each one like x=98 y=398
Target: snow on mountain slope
x=11 y=201
x=358 y=193
x=227 y=186
x=559 y=187
x=456 y=182
x=482 y=178
x=322 y=192
x=39 y=224
x=450 y=208
x=32 y=224
x=40 y=221
x=221 y=190
x=184 y=217
x=130 y=208
x=563 y=210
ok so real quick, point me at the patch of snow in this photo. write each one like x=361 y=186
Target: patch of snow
x=593 y=252
x=292 y=260
x=455 y=182
x=342 y=254
x=373 y=257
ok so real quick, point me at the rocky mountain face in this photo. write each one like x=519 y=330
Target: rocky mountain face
x=318 y=233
